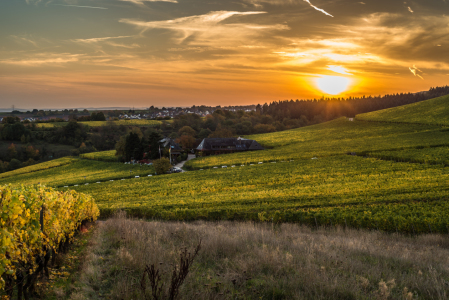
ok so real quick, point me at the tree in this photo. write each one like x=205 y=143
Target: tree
x=15 y=164
x=162 y=166
x=153 y=140
x=14 y=131
x=221 y=133
x=12 y=152
x=99 y=116
x=187 y=130
x=10 y=120
x=204 y=133
x=133 y=147
x=186 y=141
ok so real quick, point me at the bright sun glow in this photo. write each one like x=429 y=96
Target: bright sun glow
x=333 y=85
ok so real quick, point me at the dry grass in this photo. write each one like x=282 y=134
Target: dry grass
x=262 y=261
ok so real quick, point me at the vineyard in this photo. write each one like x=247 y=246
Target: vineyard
x=432 y=155
x=345 y=190
x=433 y=111
x=39 y=167
x=133 y=122
x=328 y=139
x=74 y=171
x=396 y=178
x=37 y=222
x=102 y=156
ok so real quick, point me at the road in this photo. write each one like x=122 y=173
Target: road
x=181 y=164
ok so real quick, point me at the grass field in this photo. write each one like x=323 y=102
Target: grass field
x=104 y=123
x=433 y=111
x=102 y=156
x=260 y=261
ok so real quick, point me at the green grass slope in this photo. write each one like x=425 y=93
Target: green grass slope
x=434 y=111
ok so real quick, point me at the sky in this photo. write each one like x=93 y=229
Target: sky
x=124 y=53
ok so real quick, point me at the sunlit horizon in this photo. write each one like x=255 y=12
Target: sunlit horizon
x=118 y=53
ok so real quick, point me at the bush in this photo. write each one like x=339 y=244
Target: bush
x=161 y=166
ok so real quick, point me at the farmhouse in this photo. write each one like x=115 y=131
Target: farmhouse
x=214 y=146
x=172 y=147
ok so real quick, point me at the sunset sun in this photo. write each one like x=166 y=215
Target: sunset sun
x=333 y=85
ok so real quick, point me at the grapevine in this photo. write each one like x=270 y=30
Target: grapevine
x=35 y=220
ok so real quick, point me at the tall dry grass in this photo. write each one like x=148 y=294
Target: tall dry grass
x=264 y=261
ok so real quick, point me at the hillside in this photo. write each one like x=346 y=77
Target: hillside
x=395 y=179
x=434 y=111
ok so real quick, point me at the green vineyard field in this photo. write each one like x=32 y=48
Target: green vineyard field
x=102 y=156
x=331 y=189
x=77 y=171
x=433 y=111
x=332 y=138
x=433 y=155
x=396 y=178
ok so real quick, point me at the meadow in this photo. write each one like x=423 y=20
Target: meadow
x=243 y=260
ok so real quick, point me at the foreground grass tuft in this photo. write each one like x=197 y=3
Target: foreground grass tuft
x=263 y=261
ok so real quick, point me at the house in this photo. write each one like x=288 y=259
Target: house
x=174 y=149
x=214 y=146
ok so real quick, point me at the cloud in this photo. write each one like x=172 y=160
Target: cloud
x=410 y=10
x=43 y=59
x=102 y=39
x=258 y=3
x=318 y=9
x=21 y=40
x=208 y=28
x=339 y=69
x=415 y=71
x=141 y=2
x=81 y=6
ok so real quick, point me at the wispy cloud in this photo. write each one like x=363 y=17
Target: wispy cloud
x=319 y=9
x=339 y=69
x=415 y=71
x=410 y=9
x=24 y=40
x=208 y=28
x=44 y=59
x=102 y=39
x=81 y=6
x=141 y=2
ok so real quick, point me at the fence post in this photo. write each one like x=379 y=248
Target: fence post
x=41 y=218
x=316 y=223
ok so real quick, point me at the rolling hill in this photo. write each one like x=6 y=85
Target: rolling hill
x=395 y=179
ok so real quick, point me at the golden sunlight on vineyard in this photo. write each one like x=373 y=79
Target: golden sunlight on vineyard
x=37 y=221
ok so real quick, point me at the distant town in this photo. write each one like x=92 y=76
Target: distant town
x=151 y=113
